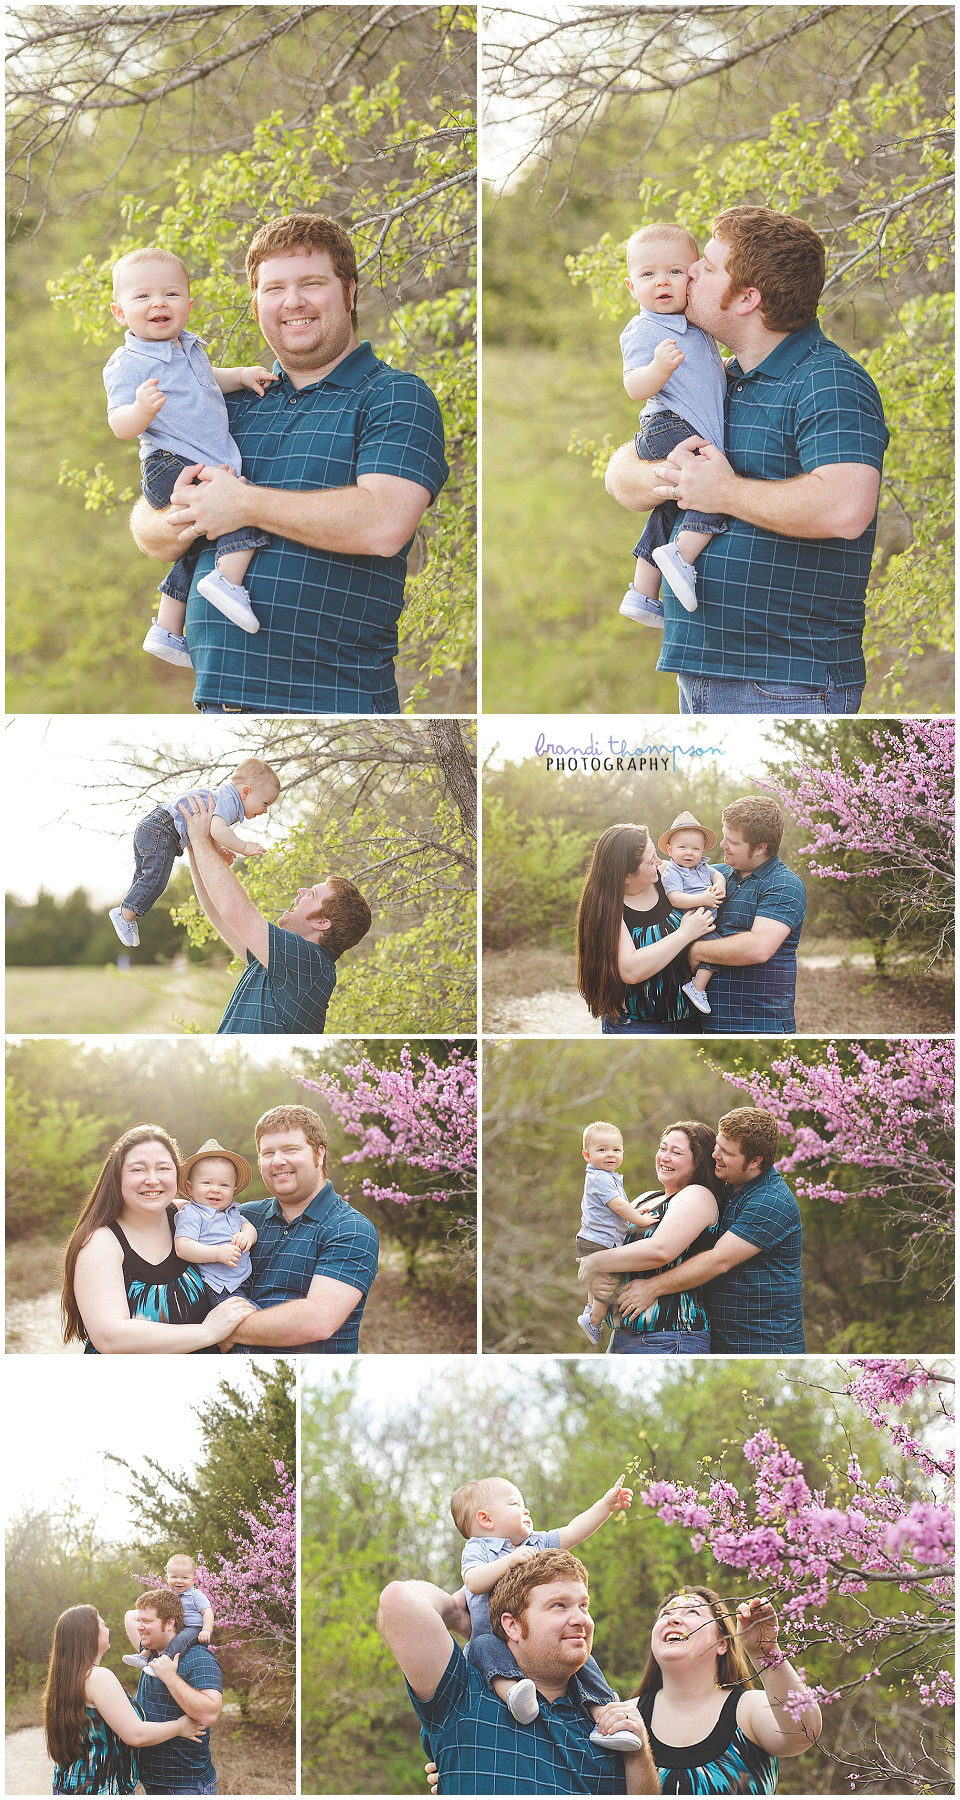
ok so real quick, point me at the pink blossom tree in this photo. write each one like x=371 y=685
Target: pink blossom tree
x=417 y=1126
x=888 y=821
x=861 y=1566
x=254 y=1592
x=874 y=1121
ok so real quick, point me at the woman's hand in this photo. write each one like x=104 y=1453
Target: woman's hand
x=695 y=924
x=433 y=1776
x=225 y=1319
x=758 y=1629
x=189 y=1728
x=634 y=1298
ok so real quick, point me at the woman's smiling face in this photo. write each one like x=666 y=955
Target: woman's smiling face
x=645 y=874
x=685 y=1627
x=148 y=1179
x=674 y=1161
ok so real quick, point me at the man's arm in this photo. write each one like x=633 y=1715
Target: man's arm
x=325 y=1306
x=202 y=1704
x=232 y=912
x=836 y=501
x=415 y=1619
x=375 y=518
x=742 y=948
x=727 y=1252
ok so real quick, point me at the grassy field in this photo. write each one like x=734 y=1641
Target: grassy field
x=556 y=553
x=524 y=988
x=152 y=1000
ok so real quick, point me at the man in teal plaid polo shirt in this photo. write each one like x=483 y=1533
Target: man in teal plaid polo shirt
x=754 y=950
x=192 y=1684
x=779 y=627
x=751 y=1276
x=541 y=1609
x=340 y=463
x=291 y=965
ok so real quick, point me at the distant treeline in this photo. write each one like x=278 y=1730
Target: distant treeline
x=68 y=933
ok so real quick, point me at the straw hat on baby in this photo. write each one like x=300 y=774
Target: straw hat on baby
x=212 y=1148
x=685 y=821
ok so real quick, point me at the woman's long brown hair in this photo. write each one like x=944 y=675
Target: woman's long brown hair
x=72 y=1656
x=733 y=1669
x=103 y=1206
x=617 y=854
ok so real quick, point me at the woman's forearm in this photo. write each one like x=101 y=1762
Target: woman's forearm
x=144 y=1337
x=638 y=965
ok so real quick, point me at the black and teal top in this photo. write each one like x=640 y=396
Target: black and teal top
x=724 y=1762
x=106 y=1765
x=170 y=1292
x=658 y=1000
x=672 y=1312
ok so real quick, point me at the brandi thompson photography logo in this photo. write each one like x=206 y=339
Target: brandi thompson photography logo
x=610 y=753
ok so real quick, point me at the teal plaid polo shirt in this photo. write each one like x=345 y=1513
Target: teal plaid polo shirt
x=777 y=608
x=177 y=1764
x=757 y=1307
x=328 y=623
x=480 y=1749
x=758 y=996
x=328 y=1238
x=289 y=995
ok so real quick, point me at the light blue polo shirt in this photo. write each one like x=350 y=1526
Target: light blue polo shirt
x=229 y=807
x=696 y=390
x=194 y=422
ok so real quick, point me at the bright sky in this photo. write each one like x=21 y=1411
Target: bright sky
x=263 y=1050
x=64 y=829
x=63 y=1412
x=383 y=1382
x=737 y=748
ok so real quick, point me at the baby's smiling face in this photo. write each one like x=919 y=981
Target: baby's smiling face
x=212 y=1182
x=687 y=849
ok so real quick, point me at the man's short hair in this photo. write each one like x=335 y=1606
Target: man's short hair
x=145 y=255
x=759 y=819
x=165 y=1603
x=590 y=1131
x=303 y=232
x=468 y=1500
x=254 y=773
x=511 y=1594
x=293 y=1118
x=667 y=232
x=350 y=917
x=780 y=256
x=755 y=1133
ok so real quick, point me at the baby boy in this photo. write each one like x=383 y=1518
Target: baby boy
x=197 y=1615
x=210 y=1229
x=689 y=880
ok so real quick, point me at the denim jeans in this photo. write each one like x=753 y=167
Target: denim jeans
x=210 y=1788
x=158 y=478
x=491 y=1658
x=643 y=1028
x=716 y=694
x=659 y=1343
x=660 y=433
x=156 y=847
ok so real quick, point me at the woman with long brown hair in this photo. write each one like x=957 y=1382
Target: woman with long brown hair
x=675 y=1223
x=91 y=1726
x=125 y=1289
x=710 y=1731
x=631 y=942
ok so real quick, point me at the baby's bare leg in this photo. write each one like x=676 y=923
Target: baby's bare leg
x=171 y=614
x=701 y=978
x=690 y=543
x=647 y=579
x=234 y=565
x=598 y=1311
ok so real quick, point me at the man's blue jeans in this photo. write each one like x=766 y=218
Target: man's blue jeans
x=716 y=694
x=659 y=1343
x=210 y=1789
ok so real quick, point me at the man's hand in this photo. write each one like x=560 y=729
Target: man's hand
x=165 y=1666
x=149 y=397
x=636 y=1296
x=198 y=810
x=702 y=483
x=207 y=502
x=667 y=357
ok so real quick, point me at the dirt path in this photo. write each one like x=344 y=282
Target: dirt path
x=439 y=1318
x=33 y=1328
x=554 y=1012
x=27 y=1766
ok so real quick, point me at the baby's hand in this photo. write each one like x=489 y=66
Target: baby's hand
x=648 y=1209
x=148 y=396
x=204 y=1637
x=246 y=1237
x=258 y=378
x=230 y=1253
x=619 y=1497
x=250 y=849
x=522 y=1554
x=667 y=357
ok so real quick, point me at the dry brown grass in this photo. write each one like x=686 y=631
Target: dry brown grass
x=33 y=1267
